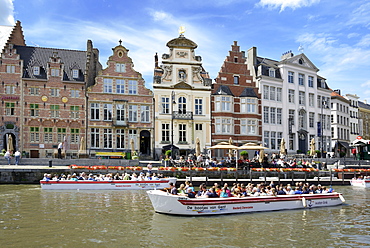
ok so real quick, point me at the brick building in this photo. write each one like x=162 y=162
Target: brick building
x=120 y=108
x=43 y=95
x=235 y=103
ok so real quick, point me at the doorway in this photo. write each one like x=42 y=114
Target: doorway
x=145 y=142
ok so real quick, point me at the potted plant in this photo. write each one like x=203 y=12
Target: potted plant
x=244 y=155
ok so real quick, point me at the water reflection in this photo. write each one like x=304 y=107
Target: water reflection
x=37 y=218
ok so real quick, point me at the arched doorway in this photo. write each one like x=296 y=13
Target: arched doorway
x=145 y=142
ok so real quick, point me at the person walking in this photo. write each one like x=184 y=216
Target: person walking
x=7 y=156
x=60 y=147
x=17 y=156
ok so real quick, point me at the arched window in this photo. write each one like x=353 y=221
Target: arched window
x=182 y=105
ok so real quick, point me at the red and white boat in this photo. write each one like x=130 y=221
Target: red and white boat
x=166 y=203
x=365 y=183
x=106 y=185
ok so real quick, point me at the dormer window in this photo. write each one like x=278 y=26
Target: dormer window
x=36 y=70
x=120 y=67
x=75 y=73
x=271 y=72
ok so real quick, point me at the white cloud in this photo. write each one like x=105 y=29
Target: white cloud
x=367 y=84
x=360 y=16
x=365 y=41
x=352 y=35
x=283 y=4
x=6 y=12
x=160 y=15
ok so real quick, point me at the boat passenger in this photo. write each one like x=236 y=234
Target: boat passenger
x=155 y=177
x=134 y=177
x=173 y=189
x=211 y=193
x=74 y=177
x=126 y=176
x=305 y=190
x=202 y=190
x=225 y=192
x=117 y=177
x=91 y=177
x=289 y=190
x=297 y=191
x=190 y=193
x=319 y=189
x=181 y=189
x=281 y=191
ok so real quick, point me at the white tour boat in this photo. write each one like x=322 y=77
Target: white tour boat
x=166 y=203
x=365 y=183
x=106 y=185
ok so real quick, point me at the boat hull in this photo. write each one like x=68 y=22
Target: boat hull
x=360 y=183
x=106 y=185
x=166 y=203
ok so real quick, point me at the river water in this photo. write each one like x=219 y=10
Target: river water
x=31 y=217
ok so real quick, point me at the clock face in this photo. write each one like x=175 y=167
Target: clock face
x=44 y=98
x=64 y=99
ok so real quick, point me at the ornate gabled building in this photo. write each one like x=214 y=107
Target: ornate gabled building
x=120 y=108
x=235 y=104
x=43 y=95
x=295 y=102
x=182 y=91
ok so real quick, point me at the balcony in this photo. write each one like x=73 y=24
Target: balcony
x=120 y=123
x=182 y=116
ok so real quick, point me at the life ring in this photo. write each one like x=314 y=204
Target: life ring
x=342 y=198
x=304 y=202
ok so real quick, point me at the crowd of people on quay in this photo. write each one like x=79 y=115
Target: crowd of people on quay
x=242 y=190
x=269 y=161
x=104 y=177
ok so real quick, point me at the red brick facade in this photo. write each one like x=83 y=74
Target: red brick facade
x=235 y=83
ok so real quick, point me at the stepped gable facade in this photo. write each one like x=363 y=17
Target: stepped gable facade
x=120 y=108
x=43 y=96
x=235 y=104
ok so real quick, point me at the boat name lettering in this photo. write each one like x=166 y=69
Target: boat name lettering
x=206 y=208
x=321 y=202
x=242 y=207
x=120 y=186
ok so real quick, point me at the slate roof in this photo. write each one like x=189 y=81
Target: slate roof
x=363 y=105
x=40 y=56
x=248 y=92
x=223 y=90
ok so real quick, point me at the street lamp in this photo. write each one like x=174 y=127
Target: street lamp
x=323 y=103
x=172 y=103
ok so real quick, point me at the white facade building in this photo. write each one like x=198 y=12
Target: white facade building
x=353 y=116
x=182 y=93
x=340 y=124
x=295 y=102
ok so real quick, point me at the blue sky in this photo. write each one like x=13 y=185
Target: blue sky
x=334 y=33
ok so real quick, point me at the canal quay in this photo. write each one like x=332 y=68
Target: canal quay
x=31 y=170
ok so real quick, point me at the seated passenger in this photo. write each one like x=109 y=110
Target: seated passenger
x=297 y=191
x=181 y=189
x=211 y=193
x=202 y=191
x=281 y=191
x=126 y=176
x=173 y=189
x=225 y=192
x=190 y=193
